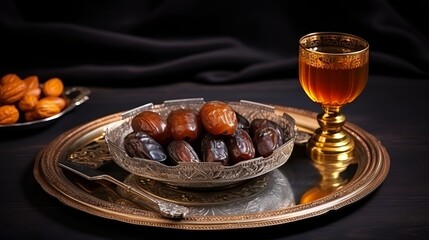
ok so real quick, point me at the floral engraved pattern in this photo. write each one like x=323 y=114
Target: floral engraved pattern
x=93 y=154
x=314 y=51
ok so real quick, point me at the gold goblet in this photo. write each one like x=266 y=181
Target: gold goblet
x=333 y=71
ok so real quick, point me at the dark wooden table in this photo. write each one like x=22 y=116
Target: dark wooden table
x=392 y=109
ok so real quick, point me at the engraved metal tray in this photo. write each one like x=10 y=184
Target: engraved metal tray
x=292 y=192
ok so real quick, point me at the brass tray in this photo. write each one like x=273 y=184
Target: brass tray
x=293 y=192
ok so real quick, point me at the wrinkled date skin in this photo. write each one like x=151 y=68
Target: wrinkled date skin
x=266 y=140
x=262 y=123
x=142 y=145
x=184 y=124
x=153 y=124
x=240 y=146
x=214 y=150
x=181 y=151
x=218 y=118
x=267 y=135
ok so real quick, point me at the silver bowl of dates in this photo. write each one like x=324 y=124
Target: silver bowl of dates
x=194 y=143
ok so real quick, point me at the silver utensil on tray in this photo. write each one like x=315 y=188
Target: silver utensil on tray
x=166 y=209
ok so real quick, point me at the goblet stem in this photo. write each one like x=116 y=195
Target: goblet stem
x=331 y=143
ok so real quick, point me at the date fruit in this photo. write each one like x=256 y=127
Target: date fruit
x=218 y=118
x=266 y=140
x=46 y=108
x=240 y=146
x=53 y=87
x=184 y=124
x=12 y=91
x=153 y=124
x=142 y=145
x=9 y=114
x=10 y=77
x=27 y=103
x=181 y=151
x=214 y=149
x=259 y=123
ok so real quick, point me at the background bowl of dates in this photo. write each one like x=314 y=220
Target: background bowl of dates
x=188 y=162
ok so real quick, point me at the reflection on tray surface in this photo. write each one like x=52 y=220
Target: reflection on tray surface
x=268 y=192
x=296 y=182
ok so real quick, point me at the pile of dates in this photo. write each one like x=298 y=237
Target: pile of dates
x=214 y=133
x=25 y=100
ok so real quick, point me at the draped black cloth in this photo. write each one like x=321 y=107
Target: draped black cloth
x=149 y=42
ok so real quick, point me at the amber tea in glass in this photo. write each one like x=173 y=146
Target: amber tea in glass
x=333 y=71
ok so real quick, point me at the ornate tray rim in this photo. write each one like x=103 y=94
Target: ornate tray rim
x=370 y=175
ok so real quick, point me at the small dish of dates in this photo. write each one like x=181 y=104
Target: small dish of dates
x=200 y=144
x=27 y=104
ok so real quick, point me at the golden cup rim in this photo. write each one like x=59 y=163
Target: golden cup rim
x=365 y=49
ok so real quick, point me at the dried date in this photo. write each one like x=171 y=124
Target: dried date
x=184 y=124
x=214 y=149
x=266 y=140
x=153 y=124
x=218 y=118
x=182 y=151
x=240 y=146
x=142 y=145
x=259 y=123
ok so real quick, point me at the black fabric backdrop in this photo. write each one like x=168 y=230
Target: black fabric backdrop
x=148 y=42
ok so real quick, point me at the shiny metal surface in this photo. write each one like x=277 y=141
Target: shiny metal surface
x=166 y=209
x=298 y=178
